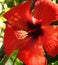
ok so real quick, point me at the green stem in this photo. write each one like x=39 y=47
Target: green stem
x=32 y=5
x=14 y=60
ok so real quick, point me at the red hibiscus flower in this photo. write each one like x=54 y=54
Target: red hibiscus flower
x=28 y=32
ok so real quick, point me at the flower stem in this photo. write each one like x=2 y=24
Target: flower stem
x=32 y=5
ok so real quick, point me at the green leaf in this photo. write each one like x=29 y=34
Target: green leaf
x=14 y=58
x=18 y=62
x=54 y=23
x=10 y=3
x=56 y=1
x=56 y=63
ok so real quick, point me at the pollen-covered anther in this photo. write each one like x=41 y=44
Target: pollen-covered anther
x=21 y=34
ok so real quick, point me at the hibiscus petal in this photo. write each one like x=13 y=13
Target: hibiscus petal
x=32 y=54
x=46 y=11
x=12 y=40
x=50 y=40
x=19 y=16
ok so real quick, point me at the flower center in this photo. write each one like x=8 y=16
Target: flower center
x=21 y=34
x=35 y=30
